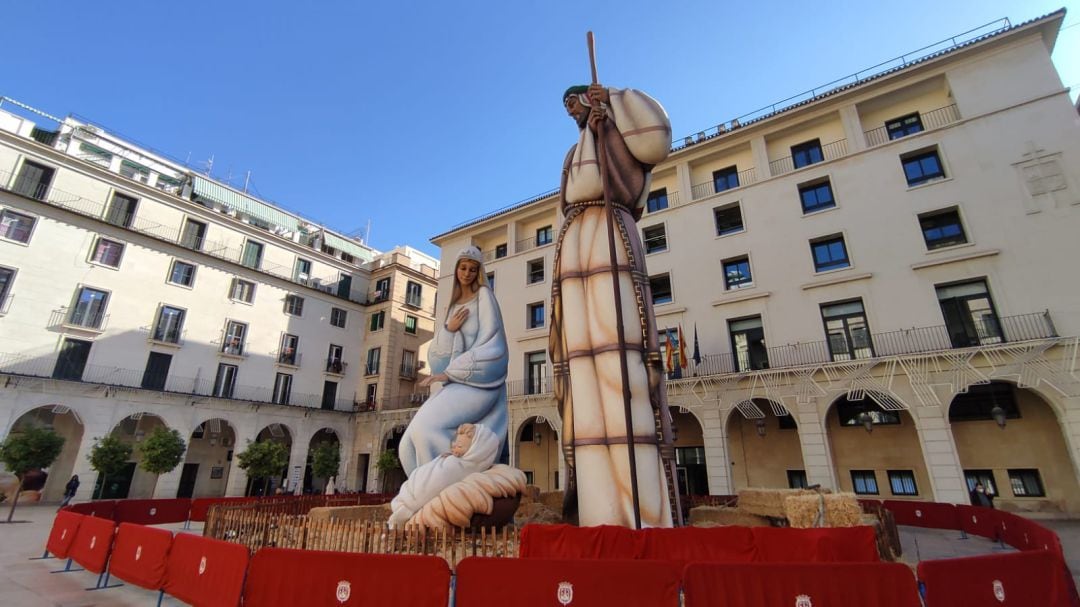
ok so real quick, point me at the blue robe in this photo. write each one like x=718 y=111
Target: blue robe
x=474 y=358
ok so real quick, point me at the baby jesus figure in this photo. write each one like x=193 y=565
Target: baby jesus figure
x=474 y=449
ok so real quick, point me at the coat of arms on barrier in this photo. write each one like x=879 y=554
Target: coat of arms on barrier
x=344 y=591
x=138 y=552
x=565 y=594
x=803 y=600
x=93 y=540
x=999 y=591
x=202 y=565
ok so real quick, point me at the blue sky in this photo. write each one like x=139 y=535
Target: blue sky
x=419 y=115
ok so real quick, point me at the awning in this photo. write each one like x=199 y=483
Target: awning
x=348 y=246
x=244 y=204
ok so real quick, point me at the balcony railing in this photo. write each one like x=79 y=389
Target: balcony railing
x=290 y=357
x=829 y=151
x=535 y=386
x=529 y=244
x=404 y=401
x=703 y=190
x=934 y=119
x=17 y=364
x=336 y=366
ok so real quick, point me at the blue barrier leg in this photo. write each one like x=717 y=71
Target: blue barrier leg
x=67 y=568
x=963 y=534
x=161 y=595
x=44 y=555
x=102 y=586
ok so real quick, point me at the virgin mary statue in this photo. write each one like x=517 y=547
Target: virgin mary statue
x=468 y=356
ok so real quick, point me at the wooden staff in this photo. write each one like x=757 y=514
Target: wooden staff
x=609 y=211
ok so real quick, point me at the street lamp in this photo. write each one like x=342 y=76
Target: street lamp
x=866 y=420
x=999 y=415
x=759 y=425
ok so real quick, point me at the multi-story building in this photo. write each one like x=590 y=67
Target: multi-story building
x=874 y=282
x=136 y=293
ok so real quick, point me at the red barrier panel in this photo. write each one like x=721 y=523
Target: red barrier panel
x=687 y=544
x=201 y=506
x=98 y=508
x=205 y=572
x=924 y=514
x=152 y=512
x=832 y=545
x=484 y=582
x=65 y=528
x=1022 y=579
x=798 y=585
x=91 y=546
x=980 y=521
x=140 y=555
x=283 y=576
x=569 y=542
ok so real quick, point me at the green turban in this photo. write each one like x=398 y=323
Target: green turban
x=577 y=89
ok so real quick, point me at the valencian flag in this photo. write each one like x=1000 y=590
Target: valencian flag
x=683 y=362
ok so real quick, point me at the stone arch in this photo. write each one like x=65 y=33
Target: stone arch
x=273 y=431
x=885 y=462
x=313 y=483
x=48 y=484
x=690 y=459
x=1024 y=461
x=763 y=445
x=390 y=480
x=537 y=451
x=207 y=462
x=133 y=482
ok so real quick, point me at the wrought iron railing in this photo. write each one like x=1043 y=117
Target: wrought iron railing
x=403 y=401
x=934 y=119
x=535 y=386
x=829 y=151
x=708 y=188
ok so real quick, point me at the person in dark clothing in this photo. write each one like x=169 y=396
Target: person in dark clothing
x=70 y=489
x=981 y=497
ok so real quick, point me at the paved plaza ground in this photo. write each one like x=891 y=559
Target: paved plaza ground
x=26 y=583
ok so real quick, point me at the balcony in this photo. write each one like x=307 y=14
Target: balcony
x=404 y=401
x=704 y=190
x=289 y=356
x=336 y=366
x=934 y=119
x=829 y=151
x=101 y=375
x=533 y=386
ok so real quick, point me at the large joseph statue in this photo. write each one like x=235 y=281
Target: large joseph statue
x=607 y=382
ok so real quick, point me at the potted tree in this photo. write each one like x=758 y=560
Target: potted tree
x=162 y=451
x=28 y=450
x=325 y=460
x=263 y=459
x=108 y=456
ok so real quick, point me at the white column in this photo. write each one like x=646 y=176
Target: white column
x=1070 y=428
x=817 y=458
x=761 y=157
x=87 y=476
x=849 y=118
x=686 y=184
x=169 y=483
x=717 y=464
x=298 y=458
x=939 y=450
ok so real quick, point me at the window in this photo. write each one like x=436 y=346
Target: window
x=985 y=477
x=89 y=310
x=748 y=343
x=661 y=289
x=234 y=338
x=193 y=235
x=169 y=323
x=846 y=330
x=71 y=362
x=282 y=388
x=16 y=226
x=848 y=412
x=500 y=250
x=107 y=252
x=796 y=479
x=942 y=229
x=372 y=367
x=543 y=236
x=979 y=400
x=290 y=345
x=302 y=271
x=728 y=219
x=726 y=179
x=969 y=314
x=864 y=482
x=536 y=316
x=807 y=153
x=904 y=126
x=408 y=364
x=168 y=184
x=377 y=320
x=657 y=200
x=225 y=380
x=922 y=167
x=182 y=273
x=329 y=395
x=491 y=280
x=294 y=305
x=338 y=317
x=816 y=196
x=829 y=254
x=737 y=273
x=7 y=277
x=410 y=324
x=902 y=482
x=413 y=292
x=121 y=210
x=344 y=286
x=253 y=252
x=33 y=180
x=535 y=372
x=372 y=393
x=156 y=373
x=655 y=238
x=242 y=290
x=1026 y=482
x=382 y=289
x=536 y=271
x=335 y=362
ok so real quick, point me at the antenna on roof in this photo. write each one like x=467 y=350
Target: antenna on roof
x=209 y=165
x=247 y=180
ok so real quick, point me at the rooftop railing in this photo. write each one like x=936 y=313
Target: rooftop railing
x=934 y=119
x=829 y=151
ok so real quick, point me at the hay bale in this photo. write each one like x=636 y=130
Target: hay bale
x=721 y=516
x=552 y=499
x=767 y=502
x=536 y=512
x=377 y=513
x=530 y=494
x=841 y=510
